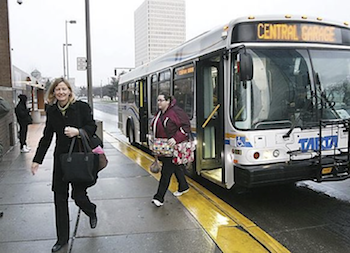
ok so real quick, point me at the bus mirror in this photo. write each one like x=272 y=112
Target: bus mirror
x=246 y=67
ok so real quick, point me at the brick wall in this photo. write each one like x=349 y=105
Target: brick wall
x=7 y=132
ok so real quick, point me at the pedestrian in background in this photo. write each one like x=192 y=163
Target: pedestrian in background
x=65 y=116
x=23 y=119
x=173 y=124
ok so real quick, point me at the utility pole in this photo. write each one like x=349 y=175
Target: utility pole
x=70 y=22
x=101 y=89
x=88 y=54
x=64 y=62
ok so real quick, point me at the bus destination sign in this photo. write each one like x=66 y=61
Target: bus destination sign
x=298 y=32
x=290 y=32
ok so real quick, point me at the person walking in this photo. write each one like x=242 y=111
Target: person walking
x=65 y=116
x=23 y=119
x=172 y=123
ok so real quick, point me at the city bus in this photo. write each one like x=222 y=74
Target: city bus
x=268 y=99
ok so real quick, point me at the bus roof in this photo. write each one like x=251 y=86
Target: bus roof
x=204 y=43
x=211 y=41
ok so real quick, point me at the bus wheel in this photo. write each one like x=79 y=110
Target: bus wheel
x=131 y=135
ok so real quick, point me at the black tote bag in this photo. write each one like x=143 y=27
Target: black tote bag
x=78 y=167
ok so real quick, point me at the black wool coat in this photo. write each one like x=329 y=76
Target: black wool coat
x=22 y=114
x=77 y=115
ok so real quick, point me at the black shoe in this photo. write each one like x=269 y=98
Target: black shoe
x=93 y=221
x=58 y=246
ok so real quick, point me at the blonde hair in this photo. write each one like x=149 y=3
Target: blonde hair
x=51 y=99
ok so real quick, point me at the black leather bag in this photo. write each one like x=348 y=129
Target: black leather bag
x=78 y=167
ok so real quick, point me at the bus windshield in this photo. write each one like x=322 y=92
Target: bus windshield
x=291 y=88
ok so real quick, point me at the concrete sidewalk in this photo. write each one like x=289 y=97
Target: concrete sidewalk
x=127 y=220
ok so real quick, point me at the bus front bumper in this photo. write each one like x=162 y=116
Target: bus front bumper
x=329 y=170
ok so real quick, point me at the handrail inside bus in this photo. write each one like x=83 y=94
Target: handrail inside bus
x=210 y=116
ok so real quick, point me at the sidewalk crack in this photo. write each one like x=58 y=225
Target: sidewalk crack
x=75 y=232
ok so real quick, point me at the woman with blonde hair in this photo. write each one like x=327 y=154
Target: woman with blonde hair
x=65 y=116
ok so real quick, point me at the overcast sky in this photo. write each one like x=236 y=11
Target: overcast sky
x=37 y=29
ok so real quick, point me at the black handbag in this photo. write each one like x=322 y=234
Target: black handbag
x=78 y=167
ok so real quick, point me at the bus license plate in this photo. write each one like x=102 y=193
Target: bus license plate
x=326 y=170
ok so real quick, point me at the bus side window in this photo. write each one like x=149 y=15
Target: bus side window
x=164 y=82
x=154 y=94
x=184 y=88
x=131 y=95
x=124 y=93
x=164 y=87
x=137 y=93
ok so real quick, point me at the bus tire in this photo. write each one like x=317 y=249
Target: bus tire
x=131 y=132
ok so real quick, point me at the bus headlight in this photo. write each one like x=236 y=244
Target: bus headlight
x=276 y=153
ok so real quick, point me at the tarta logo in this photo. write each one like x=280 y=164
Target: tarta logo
x=328 y=142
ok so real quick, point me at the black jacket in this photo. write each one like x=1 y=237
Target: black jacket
x=22 y=113
x=78 y=115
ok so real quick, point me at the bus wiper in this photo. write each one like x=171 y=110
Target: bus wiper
x=287 y=135
x=324 y=98
x=306 y=105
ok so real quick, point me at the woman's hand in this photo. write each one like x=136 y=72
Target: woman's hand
x=34 y=168
x=171 y=142
x=71 y=131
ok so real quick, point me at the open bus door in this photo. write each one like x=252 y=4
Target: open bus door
x=143 y=103
x=209 y=112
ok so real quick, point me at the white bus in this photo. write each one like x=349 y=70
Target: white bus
x=268 y=99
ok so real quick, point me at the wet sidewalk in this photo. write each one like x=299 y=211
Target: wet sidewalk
x=127 y=220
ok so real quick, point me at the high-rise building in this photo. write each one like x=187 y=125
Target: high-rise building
x=160 y=25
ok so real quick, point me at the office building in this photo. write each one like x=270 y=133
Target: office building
x=160 y=25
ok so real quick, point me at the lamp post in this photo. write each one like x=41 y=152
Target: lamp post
x=88 y=53
x=64 y=60
x=101 y=90
x=70 y=22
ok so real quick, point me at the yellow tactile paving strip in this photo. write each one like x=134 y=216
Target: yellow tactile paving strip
x=229 y=229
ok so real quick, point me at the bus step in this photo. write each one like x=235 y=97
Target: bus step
x=213 y=175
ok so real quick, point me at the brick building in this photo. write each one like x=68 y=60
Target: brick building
x=7 y=123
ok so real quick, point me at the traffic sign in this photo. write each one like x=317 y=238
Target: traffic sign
x=81 y=63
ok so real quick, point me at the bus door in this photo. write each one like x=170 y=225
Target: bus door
x=143 y=105
x=209 y=112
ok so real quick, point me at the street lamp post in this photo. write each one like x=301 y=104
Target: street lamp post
x=88 y=53
x=64 y=60
x=70 y=22
x=101 y=90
